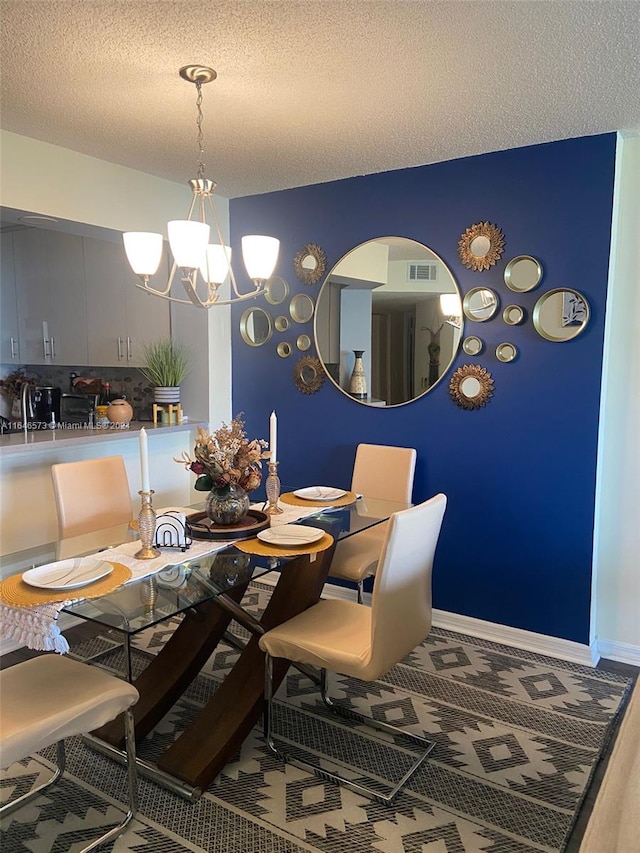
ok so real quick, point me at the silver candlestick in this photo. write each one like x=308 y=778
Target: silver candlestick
x=272 y=487
x=146 y=528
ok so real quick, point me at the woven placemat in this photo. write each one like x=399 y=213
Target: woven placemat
x=264 y=549
x=15 y=592
x=345 y=500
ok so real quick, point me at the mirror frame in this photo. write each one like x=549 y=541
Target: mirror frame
x=537 y=311
x=496 y=246
x=466 y=303
x=301 y=299
x=303 y=342
x=513 y=263
x=469 y=342
x=471 y=371
x=281 y=323
x=284 y=349
x=506 y=352
x=244 y=321
x=513 y=315
x=317 y=253
x=271 y=285
x=303 y=363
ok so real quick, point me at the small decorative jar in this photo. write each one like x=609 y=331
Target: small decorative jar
x=120 y=413
x=227 y=505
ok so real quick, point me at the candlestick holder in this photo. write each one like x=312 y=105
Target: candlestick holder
x=146 y=528
x=272 y=487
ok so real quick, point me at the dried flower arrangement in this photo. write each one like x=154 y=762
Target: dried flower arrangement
x=226 y=456
x=12 y=383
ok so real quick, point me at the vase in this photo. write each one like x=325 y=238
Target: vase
x=227 y=505
x=358 y=381
x=166 y=394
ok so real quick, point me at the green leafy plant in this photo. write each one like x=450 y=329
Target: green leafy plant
x=167 y=362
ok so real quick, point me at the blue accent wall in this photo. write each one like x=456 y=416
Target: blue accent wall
x=517 y=539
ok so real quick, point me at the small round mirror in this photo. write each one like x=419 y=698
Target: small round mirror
x=513 y=315
x=310 y=263
x=308 y=374
x=301 y=308
x=522 y=274
x=256 y=327
x=481 y=246
x=480 y=304
x=282 y=323
x=560 y=315
x=471 y=386
x=284 y=349
x=472 y=345
x=276 y=290
x=506 y=352
x=303 y=343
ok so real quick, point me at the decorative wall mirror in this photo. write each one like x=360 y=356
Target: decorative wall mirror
x=308 y=374
x=276 y=290
x=481 y=246
x=522 y=274
x=383 y=299
x=506 y=352
x=513 y=315
x=301 y=308
x=471 y=386
x=281 y=323
x=284 y=349
x=303 y=343
x=472 y=345
x=480 y=304
x=256 y=327
x=310 y=263
x=560 y=315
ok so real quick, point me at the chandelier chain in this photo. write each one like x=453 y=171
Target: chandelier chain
x=199 y=120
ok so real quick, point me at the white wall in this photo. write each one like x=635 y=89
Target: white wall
x=615 y=624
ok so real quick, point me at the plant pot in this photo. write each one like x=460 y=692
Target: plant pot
x=227 y=505
x=166 y=394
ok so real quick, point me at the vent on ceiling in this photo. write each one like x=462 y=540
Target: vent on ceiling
x=421 y=271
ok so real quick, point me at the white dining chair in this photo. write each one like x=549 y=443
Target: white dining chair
x=365 y=642
x=50 y=698
x=386 y=473
x=91 y=495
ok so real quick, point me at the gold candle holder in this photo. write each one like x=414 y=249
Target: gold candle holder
x=146 y=528
x=272 y=487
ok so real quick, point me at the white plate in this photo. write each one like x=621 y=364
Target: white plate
x=320 y=493
x=291 y=534
x=68 y=574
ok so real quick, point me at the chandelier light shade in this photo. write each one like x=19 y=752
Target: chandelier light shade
x=201 y=266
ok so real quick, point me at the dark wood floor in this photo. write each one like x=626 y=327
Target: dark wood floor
x=86 y=630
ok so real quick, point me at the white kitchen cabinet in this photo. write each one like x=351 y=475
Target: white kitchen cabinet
x=50 y=296
x=9 y=344
x=120 y=316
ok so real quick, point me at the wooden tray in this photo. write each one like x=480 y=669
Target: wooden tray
x=202 y=527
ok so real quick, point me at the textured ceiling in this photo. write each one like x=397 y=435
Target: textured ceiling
x=314 y=90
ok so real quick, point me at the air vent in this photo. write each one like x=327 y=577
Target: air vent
x=421 y=271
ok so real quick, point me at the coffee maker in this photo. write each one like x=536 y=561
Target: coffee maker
x=46 y=401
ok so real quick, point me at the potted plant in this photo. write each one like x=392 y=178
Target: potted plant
x=167 y=362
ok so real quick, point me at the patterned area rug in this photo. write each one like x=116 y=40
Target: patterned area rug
x=517 y=737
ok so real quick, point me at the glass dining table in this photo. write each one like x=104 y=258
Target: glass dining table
x=206 y=593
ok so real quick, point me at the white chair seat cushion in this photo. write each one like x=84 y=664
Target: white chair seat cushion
x=79 y=698
x=356 y=557
x=333 y=634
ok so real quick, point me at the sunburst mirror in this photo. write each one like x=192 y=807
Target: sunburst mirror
x=310 y=263
x=481 y=246
x=471 y=386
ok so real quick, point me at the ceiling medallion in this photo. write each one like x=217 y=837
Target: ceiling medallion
x=471 y=386
x=481 y=246
x=310 y=263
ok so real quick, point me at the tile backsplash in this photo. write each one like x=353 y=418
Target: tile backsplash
x=125 y=382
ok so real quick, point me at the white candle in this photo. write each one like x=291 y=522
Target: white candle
x=144 y=461
x=273 y=436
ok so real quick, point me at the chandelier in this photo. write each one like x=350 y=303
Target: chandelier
x=203 y=266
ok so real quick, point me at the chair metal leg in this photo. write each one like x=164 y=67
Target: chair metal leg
x=386 y=799
x=361 y=592
x=132 y=785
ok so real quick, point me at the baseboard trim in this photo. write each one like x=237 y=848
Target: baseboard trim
x=621 y=652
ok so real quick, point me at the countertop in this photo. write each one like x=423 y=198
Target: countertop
x=43 y=439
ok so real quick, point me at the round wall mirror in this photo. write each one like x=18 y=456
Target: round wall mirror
x=480 y=304
x=256 y=327
x=560 y=315
x=472 y=345
x=523 y=274
x=471 y=386
x=303 y=343
x=308 y=374
x=382 y=299
x=513 y=315
x=506 y=352
x=276 y=290
x=301 y=308
x=310 y=263
x=282 y=323
x=481 y=246
x=284 y=349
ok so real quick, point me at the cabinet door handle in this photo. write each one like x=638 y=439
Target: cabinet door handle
x=119 y=348
x=128 y=348
x=13 y=348
x=53 y=347
x=45 y=348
